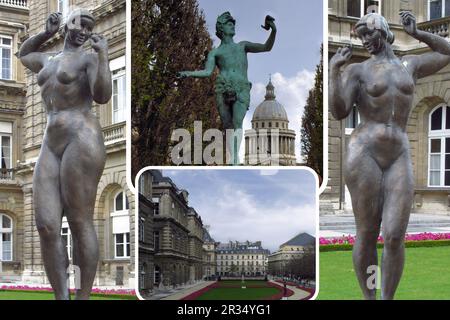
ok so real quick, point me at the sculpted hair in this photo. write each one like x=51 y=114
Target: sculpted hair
x=377 y=22
x=75 y=15
x=223 y=19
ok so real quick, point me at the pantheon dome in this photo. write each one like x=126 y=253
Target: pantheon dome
x=270 y=141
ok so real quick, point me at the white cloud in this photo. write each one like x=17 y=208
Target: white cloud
x=237 y=215
x=291 y=93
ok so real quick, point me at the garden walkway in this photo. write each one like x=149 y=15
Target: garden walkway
x=298 y=293
x=187 y=291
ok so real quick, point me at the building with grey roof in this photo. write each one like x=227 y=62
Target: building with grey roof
x=290 y=257
x=270 y=141
x=241 y=258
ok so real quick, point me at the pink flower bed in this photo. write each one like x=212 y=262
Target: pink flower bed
x=47 y=289
x=409 y=237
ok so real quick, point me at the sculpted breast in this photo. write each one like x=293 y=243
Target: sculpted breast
x=376 y=88
x=66 y=75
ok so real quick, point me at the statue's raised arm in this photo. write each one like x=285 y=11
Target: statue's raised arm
x=29 y=53
x=269 y=24
x=428 y=63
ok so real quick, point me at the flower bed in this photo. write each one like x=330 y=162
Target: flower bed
x=116 y=293
x=426 y=239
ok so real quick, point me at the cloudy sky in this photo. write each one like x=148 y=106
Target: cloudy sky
x=294 y=57
x=246 y=205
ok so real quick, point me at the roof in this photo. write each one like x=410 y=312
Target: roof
x=302 y=239
x=270 y=108
x=206 y=236
x=234 y=247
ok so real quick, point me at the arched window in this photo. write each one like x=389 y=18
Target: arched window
x=121 y=226
x=439 y=147
x=121 y=202
x=6 y=238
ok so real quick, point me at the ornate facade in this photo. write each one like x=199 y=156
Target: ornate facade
x=146 y=264
x=241 y=258
x=293 y=250
x=209 y=255
x=177 y=235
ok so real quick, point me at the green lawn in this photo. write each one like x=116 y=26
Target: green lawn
x=246 y=283
x=231 y=290
x=14 y=295
x=426 y=275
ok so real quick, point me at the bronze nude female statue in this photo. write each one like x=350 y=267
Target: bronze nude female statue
x=72 y=156
x=378 y=169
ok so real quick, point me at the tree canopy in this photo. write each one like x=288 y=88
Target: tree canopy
x=312 y=123
x=168 y=36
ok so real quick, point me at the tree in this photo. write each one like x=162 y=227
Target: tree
x=312 y=123
x=168 y=36
x=303 y=266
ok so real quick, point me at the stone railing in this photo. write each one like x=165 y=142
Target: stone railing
x=6 y=175
x=14 y=3
x=438 y=26
x=114 y=133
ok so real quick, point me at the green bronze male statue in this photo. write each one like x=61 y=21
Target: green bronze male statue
x=232 y=85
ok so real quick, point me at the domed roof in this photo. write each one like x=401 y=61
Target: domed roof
x=270 y=109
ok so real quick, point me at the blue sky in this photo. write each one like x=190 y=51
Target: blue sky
x=294 y=57
x=246 y=205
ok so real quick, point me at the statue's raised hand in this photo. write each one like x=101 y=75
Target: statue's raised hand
x=99 y=43
x=342 y=56
x=269 y=23
x=409 y=22
x=53 y=23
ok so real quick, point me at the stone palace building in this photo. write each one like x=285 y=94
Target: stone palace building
x=22 y=124
x=293 y=250
x=241 y=258
x=429 y=123
x=171 y=235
